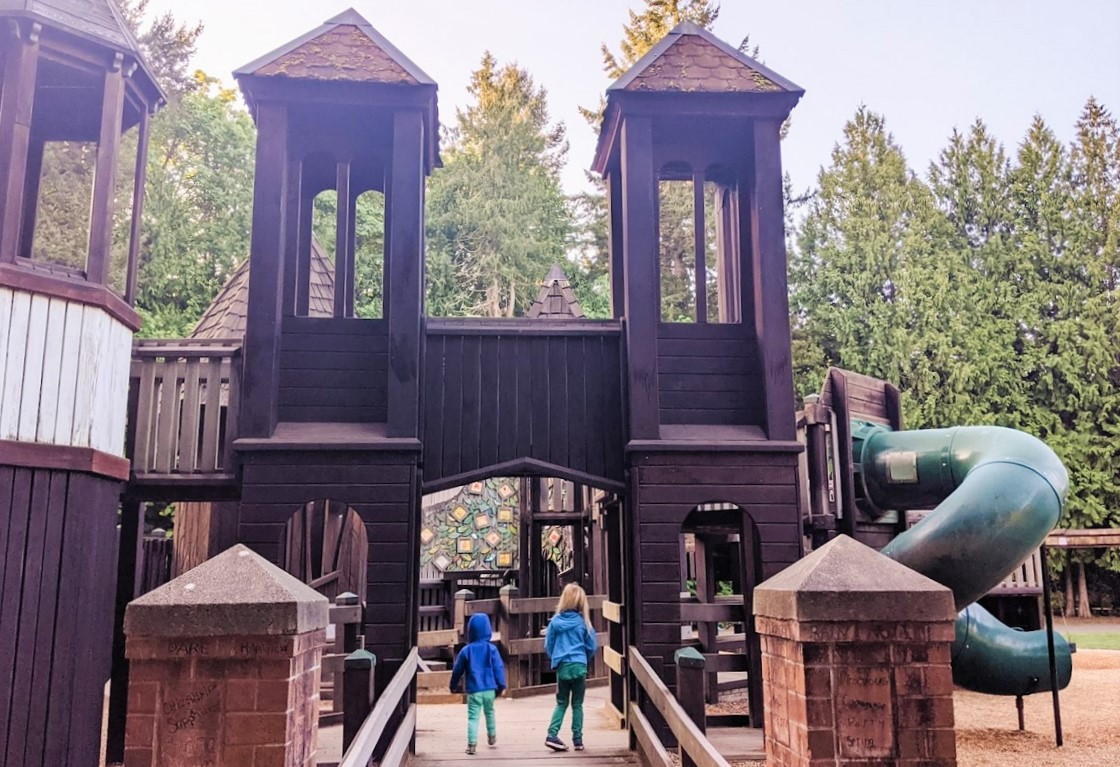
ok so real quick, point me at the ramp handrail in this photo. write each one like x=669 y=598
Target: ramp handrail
x=691 y=740
x=362 y=750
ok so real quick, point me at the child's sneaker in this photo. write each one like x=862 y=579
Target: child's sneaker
x=470 y=748
x=492 y=740
x=577 y=744
x=555 y=743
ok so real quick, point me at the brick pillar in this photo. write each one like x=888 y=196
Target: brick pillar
x=224 y=668
x=855 y=662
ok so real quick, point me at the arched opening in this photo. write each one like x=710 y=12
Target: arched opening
x=697 y=221
x=369 y=255
x=720 y=566
x=325 y=545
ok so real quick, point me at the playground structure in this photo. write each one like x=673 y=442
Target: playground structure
x=316 y=420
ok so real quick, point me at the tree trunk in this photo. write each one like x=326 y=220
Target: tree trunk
x=1067 y=603
x=1082 y=592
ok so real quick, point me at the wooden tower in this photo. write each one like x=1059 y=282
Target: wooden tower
x=330 y=405
x=690 y=139
x=73 y=83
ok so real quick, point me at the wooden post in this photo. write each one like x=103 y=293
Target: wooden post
x=771 y=304
x=129 y=553
x=303 y=221
x=513 y=627
x=138 y=182
x=105 y=174
x=748 y=575
x=343 y=276
x=617 y=262
x=406 y=273
x=643 y=296
x=260 y=385
x=462 y=596
x=32 y=178
x=350 y=631
x=690 y=691
x=706 y=594
x=359 y=693
x=293 y=236
x=17 y=101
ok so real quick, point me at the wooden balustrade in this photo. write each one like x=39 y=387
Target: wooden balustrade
x=370 y=737
x=695 y=748
x=183 y=402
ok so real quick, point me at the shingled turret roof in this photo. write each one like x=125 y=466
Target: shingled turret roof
x=225 y=317
x=691 y=59
x=556 y=299
x=343 y=48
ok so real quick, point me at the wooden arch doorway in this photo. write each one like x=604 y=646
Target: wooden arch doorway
x=324 y=544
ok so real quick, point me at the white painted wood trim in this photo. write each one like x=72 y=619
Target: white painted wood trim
x=68 y=374
x=33 y=368
x=13 y=375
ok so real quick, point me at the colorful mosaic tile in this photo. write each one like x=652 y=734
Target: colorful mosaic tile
x=476 y=488
x=505 y=559
x=493 y=538
x=464 y=545
x=442 y=561
x=506 y=491
x=426 y=535
x=459 y=513
x=505 y=514
x=482 y=521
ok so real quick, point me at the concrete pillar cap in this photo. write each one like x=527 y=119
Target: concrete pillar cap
x=237 y=593
x=845 y=581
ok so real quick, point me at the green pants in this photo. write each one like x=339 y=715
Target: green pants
x=571 y=684
x=481 y=701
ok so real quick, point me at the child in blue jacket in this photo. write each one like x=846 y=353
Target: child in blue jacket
x=570 y=644
x=481 y=665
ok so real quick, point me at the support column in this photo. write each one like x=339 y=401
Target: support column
x=17 y=102
x=31 y=197
x=225 y=667
x=105 y=174
x=343 y=255
x=260 y=384
x=640 y=252
x=856 y=652
x=771 y=303
x=406 y=273
x=139 y=181
x=617 y=263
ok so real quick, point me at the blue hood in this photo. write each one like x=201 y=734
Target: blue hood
x=478 y=628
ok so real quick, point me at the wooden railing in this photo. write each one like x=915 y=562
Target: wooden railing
x=1026 y=579
x=695 y=748
x=183 y=402
x=369 y=741
x=346 y=617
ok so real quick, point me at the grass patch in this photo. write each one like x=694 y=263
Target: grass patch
x=1104 y=641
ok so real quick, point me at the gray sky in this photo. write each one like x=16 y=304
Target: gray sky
x=927 y=66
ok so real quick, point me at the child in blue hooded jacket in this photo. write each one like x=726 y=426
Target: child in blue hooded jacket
x=570 y=644
x=481 y=665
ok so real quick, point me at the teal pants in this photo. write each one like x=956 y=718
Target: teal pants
x=484 y=702
x=571 y=685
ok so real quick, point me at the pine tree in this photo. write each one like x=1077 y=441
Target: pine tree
x=497 y=218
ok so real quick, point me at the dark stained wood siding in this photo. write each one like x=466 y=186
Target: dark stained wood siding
x=333 y=369
x=496 y=392
x=709 y=374
x=58 y=553
x=666 y=487
x=381 y=487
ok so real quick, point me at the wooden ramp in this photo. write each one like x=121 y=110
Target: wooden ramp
x=441 y=735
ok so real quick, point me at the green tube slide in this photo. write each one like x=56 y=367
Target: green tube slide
x=995 y=495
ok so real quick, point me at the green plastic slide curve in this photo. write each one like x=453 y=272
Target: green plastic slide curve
x=995 y=495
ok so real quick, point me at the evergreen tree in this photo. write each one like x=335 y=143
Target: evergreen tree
x=497 y=218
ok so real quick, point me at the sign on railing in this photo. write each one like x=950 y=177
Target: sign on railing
x=183 y=403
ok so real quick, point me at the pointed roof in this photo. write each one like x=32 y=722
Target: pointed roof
x=99 y=21
x=225 y=317
x=556 y=299
x=346 y=48
x=691 y=59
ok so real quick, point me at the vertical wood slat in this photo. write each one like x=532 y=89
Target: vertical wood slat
x=699 y=247
x=17 y=102
x=469 y=402
x=452 y=397
x=212 y=416
x=52 y=366
x=33 y=368
x=68 y=375
x=16 y=524
x=233 y=400
x=188 y=431
x=101 y=433
x=13 y=375
x=144 y=376
x=6 y=297
x=89 y=369
x=169 y=405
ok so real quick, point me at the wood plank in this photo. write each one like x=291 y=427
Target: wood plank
x=6 y=297
x=507 y=369
x=578 y=424
x=492 y=380
x=539 y=440
x=613 y=611
x=452 y=416
x=90 y=378
x=18 y=513
x=522 y=361
x=145 y=417
x=557 y=407
x=13 y=374
x=369 y=735
x=614 y=660
x=167 y=430
x=711 y=613
x=691 y=739
x=470 y=403
x=188 y=433
x=398 y=752
x=653 y=752
x=52 y=367
x=33 y=368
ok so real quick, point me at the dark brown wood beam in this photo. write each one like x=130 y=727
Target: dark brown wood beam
x=31 y=197
x=260 y=387
x=293 y=236
x=343 y=275
x=643 y=296
x=700 y=247
x=617 y=263
x=138 y=182
x=105 y=174
x=406 y=273
x=39 y=455
x=17 y=101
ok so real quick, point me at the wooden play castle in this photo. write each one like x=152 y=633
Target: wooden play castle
x=686 y=424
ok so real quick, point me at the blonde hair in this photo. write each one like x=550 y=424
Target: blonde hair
x=573 y=597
